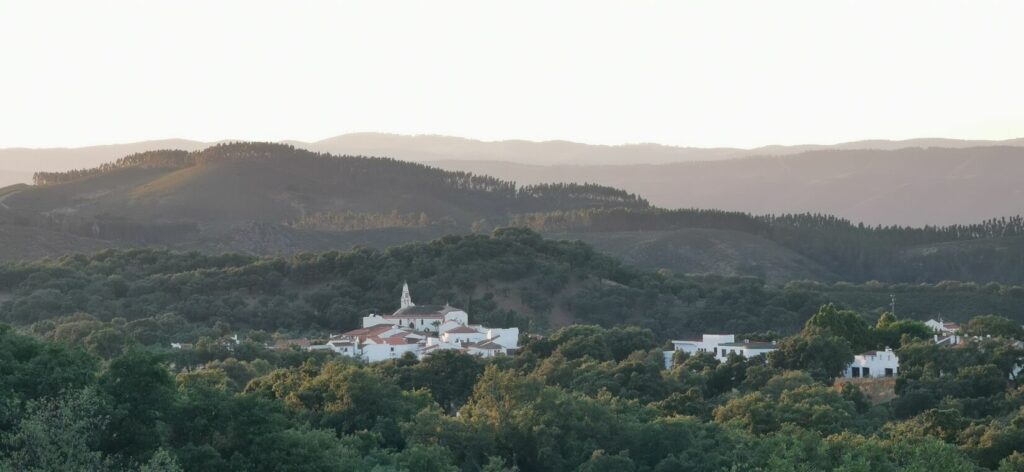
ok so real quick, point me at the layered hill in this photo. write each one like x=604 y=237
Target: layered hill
x=265 y=197
x=910 y=186
x=262 y=198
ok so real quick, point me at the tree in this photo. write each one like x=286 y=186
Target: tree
x=845 y=324
x=995 y=326
x=59 y=434
x=449 y=375
x=141 y=393
x=162 y=461
x=602 y=462
x=823 y=357
x=105 y=343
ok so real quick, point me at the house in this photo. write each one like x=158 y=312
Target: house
x=943 y=327
x=873 y=364
x=746 y=349
x=463 y=334
x=720 y=346
x=950 y=340
x=420 y=330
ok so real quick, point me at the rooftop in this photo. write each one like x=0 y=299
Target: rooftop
x=423 y=311
x=751 y=345
x=462 y=329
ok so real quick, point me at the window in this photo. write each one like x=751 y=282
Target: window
x=867 y=372
x=854 y=372
x=888 y=372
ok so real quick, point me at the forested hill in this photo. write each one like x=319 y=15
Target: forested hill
x=777 y=247
x=512 y=278
x=267 y=198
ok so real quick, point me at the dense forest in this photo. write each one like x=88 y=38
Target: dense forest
x=104 y=397
x=513 y=277
x=855 y=252
x=89 y=381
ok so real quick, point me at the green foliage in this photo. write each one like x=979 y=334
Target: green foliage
x=141 y=393
x=995 y=326
x=822 y=356
x=846 y=324
x=58 y=434
x=543 y=410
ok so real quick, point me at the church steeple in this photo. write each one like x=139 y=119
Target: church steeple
x=406 y=297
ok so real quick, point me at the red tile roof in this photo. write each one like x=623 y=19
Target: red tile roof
x=462 y=329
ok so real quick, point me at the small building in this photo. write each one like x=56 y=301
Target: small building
x=874 y=364
x=746 y=349
x=463 y=334
x=948 y=340
x=943 y=327
x=720 y=346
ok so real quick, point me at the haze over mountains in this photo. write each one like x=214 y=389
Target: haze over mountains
x=913 y=182
x=265 y=198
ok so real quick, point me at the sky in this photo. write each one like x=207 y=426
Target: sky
x=690 y=73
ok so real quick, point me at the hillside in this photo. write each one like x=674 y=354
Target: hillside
x=261 y=198
x=911 y=186
x=705 y=251
x=513 y=277
x=297 y=199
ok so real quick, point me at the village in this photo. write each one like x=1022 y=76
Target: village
x=421 y=330
x=870 y=364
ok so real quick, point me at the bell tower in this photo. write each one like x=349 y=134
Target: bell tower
x=406 y=297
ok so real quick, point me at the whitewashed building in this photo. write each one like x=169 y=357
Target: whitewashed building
x=943 y=327
x=421 y=330
x=873 y=364
x=745 y=349
x=720 y=346
x=427 y=318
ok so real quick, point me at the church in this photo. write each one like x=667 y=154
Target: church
x=426 y=318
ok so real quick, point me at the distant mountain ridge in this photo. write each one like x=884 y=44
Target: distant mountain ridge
x=425 y=148
x=267 y=198
x=908 y=186
x=910 y=182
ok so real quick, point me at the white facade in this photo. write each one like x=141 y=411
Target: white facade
x=464 y=334
x=744 y=349
x=874 y=364
x=721 y=346
x=943 y=327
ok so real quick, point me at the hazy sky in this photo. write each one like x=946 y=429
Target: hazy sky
x=700 y=73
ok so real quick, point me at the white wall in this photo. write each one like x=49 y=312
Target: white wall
x=876 y=365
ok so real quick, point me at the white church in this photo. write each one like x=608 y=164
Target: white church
x=421 y=330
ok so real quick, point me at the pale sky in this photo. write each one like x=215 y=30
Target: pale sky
x=694 y=73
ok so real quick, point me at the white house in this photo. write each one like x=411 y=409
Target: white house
x=707 y=343
x=943 y=327
x=421 y=330
x=463 y=334
x=745 y=349
x=874 y=364
x=720 y=346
